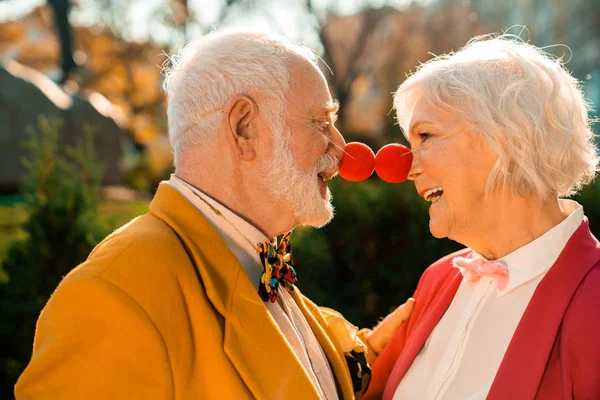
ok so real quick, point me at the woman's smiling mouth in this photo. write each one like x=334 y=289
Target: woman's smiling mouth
x=434 y=194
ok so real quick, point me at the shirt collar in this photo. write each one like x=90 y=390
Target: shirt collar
x=226 y=223
x=538 y=256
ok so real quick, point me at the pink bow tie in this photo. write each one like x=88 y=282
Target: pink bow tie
x=474 y=269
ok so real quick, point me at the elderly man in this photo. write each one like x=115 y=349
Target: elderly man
x=188 y=301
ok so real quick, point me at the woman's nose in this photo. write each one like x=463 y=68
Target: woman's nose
x=415 y=167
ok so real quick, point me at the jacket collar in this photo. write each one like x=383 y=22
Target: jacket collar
x=252 y=340
x=423 y=329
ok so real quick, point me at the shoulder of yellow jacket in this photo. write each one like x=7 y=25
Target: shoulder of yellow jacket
x=143 y=244
x=147 y=261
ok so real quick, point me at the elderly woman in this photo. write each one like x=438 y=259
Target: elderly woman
x=500 y=133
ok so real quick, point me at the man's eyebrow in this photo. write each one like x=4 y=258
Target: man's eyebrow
x=331 y=107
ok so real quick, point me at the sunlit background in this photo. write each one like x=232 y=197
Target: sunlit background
x=83 y=133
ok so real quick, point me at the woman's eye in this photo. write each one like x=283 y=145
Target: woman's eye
x=424 y=136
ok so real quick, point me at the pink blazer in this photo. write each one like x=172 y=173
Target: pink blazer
x=555 y=350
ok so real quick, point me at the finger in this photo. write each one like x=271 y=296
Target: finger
x=385 y=330
x=405 y=310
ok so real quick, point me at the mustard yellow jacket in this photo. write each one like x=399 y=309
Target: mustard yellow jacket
x=162 y=309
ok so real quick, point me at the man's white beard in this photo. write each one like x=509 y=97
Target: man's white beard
x=284 y=180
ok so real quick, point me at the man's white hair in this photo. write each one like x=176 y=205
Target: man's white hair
x=523 y=101
x=210 y=70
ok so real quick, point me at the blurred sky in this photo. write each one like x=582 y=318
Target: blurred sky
x=287 y=17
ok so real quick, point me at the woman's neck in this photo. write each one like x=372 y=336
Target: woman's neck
x=514 y=223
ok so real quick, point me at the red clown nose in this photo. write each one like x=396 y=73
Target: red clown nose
x=392 y=163
x=357 y=163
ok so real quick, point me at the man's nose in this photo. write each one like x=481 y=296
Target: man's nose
x=337 y=144
x=415 y=167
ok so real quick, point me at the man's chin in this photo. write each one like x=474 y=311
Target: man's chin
x=324 y=191
x=325 y=220
x=318 y=217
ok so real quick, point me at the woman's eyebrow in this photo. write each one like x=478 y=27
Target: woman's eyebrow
x=416 y=124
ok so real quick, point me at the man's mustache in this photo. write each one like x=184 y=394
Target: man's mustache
x=328 y=165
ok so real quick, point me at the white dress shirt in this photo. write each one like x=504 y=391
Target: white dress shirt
x=463 y=352
x=287 y=315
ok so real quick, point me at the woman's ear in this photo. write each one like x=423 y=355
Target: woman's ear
x=240 y=122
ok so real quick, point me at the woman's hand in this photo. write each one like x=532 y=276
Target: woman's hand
x=383 y=332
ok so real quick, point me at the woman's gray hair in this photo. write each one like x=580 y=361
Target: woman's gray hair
x=523 y=101
x=210 y=70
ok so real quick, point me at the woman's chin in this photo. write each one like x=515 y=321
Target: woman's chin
x=436 y=230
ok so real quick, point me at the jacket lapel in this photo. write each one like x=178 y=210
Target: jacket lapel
x=523 y=366
x=331 y=348
x=260 y=352
x=252 y=340
x=419 y=335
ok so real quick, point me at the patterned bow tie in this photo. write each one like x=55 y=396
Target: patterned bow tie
x=474 y=269
x=279 y=268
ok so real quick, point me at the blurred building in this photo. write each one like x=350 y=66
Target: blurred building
x=126 y=74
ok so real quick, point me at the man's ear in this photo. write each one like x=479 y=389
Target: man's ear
x=240 y=121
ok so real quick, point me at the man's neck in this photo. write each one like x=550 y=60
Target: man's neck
x=249 y=203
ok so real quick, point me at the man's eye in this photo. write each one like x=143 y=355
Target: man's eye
x=321 y=125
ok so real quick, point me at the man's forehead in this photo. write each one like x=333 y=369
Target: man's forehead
x=309 y=89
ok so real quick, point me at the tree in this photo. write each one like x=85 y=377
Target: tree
x=61 y=10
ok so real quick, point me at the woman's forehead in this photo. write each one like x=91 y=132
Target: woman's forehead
x=424 y=111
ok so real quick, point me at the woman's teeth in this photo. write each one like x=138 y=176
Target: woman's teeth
x=434 y=194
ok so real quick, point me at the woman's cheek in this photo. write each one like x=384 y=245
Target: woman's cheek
x=426 y=157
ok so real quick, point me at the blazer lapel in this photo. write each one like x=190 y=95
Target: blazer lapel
x=523 y=366
x=260 y=352
x=419 y=336
x=331 y=348
x=252 y=340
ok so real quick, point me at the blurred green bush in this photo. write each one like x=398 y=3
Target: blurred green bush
x=61 y=196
